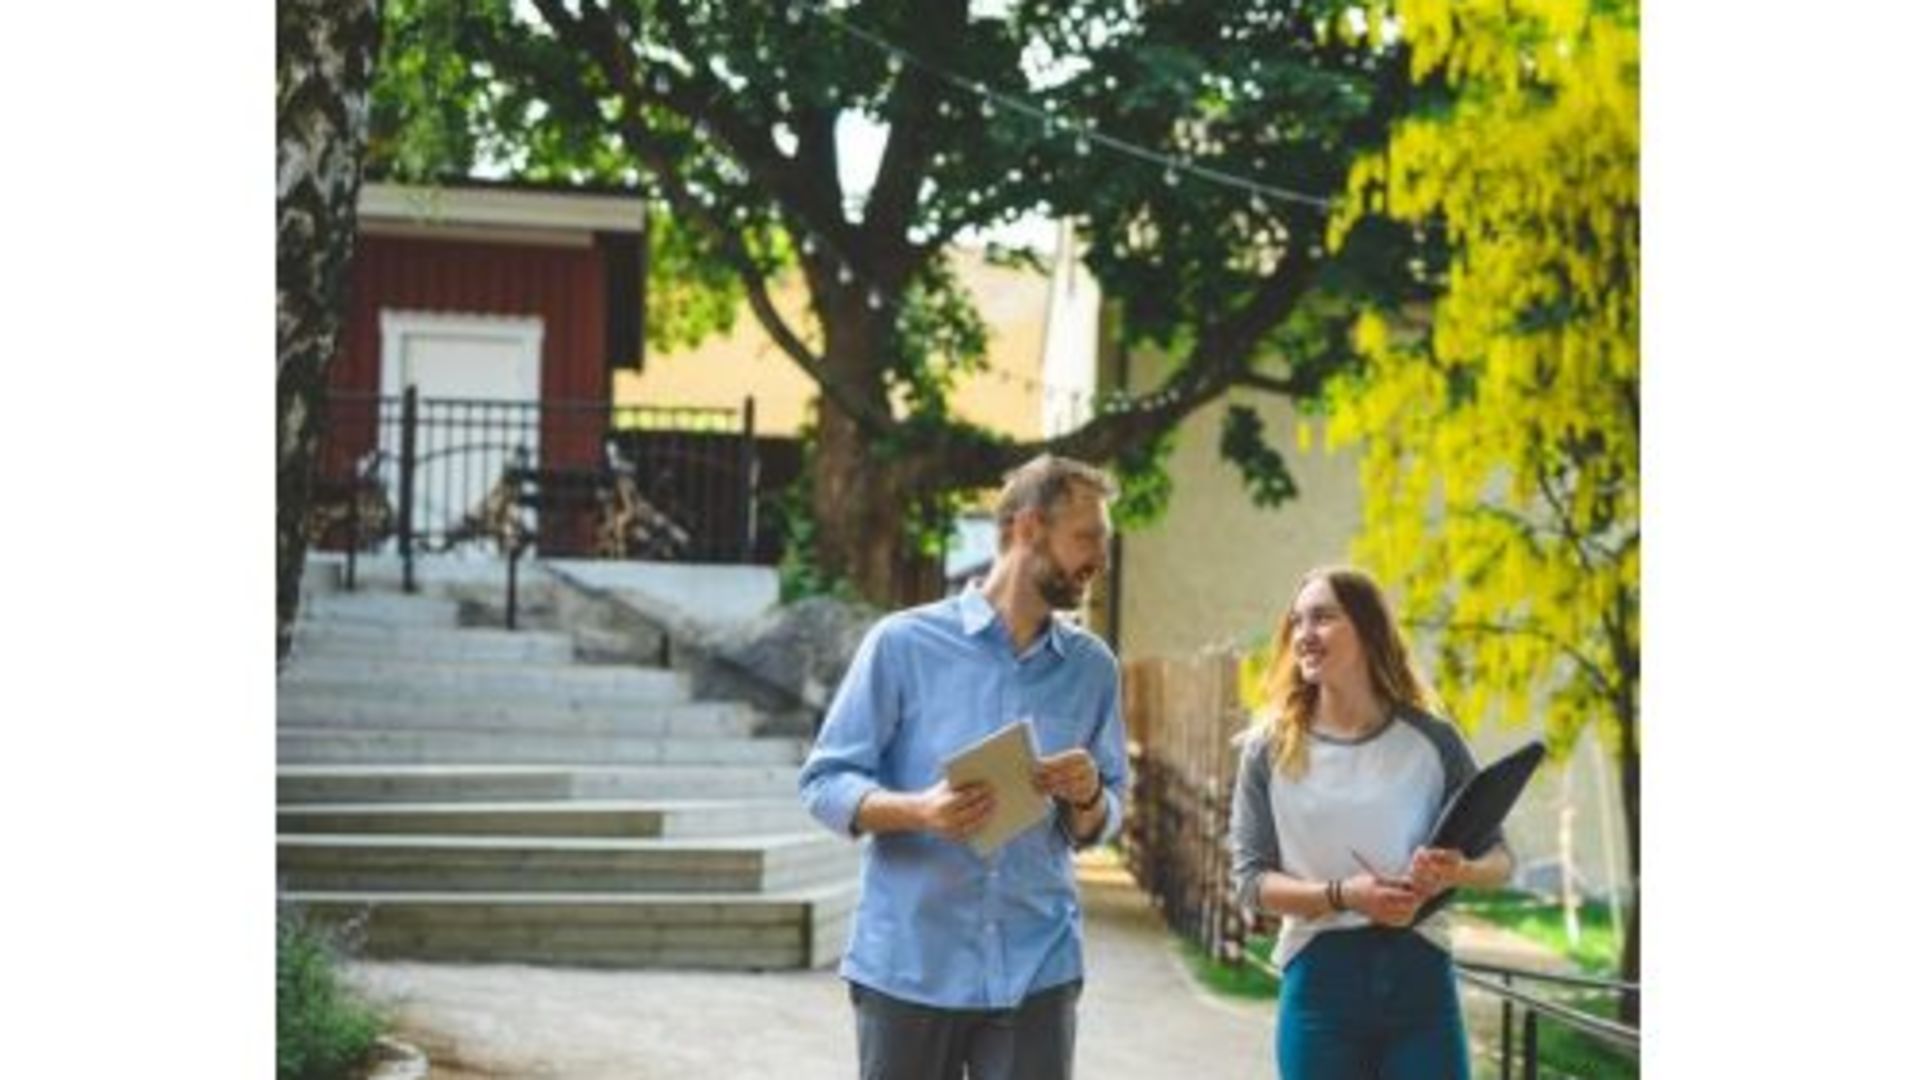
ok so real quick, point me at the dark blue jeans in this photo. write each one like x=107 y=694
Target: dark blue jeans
x=1370 y=1004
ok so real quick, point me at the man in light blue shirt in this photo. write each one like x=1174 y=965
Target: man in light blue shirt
x=959 y=961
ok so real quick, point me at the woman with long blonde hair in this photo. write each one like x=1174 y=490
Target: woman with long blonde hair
x=1342 y=776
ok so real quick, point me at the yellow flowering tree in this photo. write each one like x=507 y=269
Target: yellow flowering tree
x=1500 y=425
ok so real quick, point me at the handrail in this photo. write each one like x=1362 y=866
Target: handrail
x=1590 y=981
x=1611 y=1032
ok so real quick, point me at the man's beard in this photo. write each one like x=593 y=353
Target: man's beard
x=1056 y=587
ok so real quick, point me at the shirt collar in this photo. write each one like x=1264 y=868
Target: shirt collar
x=976 y=614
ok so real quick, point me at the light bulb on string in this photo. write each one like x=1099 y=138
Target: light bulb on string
x=986 y=108
x=873 y=299
x=845 y=276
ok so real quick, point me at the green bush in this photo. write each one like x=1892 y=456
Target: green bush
x=322 y=1031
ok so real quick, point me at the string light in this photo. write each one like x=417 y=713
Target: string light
x=989 y=98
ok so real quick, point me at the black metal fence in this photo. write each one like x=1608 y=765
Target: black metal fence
x=414 y=475
x=1182 y=716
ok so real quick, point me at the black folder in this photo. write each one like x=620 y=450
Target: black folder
x=1471 y=818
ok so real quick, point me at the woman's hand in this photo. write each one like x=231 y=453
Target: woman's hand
x=1387 y=901
x=1435 y=870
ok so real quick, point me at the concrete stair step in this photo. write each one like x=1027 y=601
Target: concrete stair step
x=331 y=862
x=579 y=818
x=381 y=608
x=687 y=720
x=346 y=745
x=550 y=686
x=779 y=931
x=320 y=783
x=472 y=644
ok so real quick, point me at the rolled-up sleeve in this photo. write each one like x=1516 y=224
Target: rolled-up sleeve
x=1110 y=755
x=1108 y=745
x=1255 y=843
x=844 y=763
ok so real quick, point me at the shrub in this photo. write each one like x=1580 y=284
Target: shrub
x=322 y=1031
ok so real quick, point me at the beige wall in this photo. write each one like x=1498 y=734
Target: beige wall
x=1216 y=568
x=724 y=370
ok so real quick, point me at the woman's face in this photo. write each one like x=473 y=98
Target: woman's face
x=1324 y=642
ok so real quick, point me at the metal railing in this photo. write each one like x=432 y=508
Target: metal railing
x=413 y=475
x=1498 y=980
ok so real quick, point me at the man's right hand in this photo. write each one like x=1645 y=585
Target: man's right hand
x=955 y=812
x=1383 y=900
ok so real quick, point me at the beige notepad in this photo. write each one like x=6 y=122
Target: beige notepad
x=1005 y=761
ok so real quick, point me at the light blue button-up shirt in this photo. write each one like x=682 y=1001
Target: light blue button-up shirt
x=937 y=924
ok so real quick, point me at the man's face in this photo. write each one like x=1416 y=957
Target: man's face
x=1065 y=555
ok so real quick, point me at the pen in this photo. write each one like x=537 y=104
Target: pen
x=1368 y=867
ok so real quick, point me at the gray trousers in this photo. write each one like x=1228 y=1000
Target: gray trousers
x=901 y=1040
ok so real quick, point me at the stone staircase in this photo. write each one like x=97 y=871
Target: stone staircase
x=477 y=794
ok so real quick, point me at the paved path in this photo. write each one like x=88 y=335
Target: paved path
x=1142 y=1015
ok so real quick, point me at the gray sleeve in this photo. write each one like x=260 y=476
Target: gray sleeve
x=1255 y=844
x=1456 y=764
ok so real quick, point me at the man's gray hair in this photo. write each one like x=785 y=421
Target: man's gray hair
x=1041 y=484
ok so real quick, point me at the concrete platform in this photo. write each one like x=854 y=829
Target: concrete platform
x=581 y=818
x=801 y=928
x=349 y=745
x=684 y=720
x=492 y=783
x=749 y=864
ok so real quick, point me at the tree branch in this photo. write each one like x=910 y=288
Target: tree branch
x=903 y=166
x=1218 y=361
x=1290 y=387
x=1594 y=672
x=811 y=195
x=601 y=45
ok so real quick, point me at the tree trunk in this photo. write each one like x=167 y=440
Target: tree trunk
x=326 y=56
x=1630 y=803
x=860 y=506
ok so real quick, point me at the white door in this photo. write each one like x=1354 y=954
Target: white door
x=459 y=364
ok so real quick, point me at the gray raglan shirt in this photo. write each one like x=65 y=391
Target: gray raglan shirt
x=1378 y=796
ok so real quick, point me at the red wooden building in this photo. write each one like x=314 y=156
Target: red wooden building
x=505 y=309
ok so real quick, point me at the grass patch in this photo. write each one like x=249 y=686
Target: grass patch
x=1568 y=1052
x=1543 y=921
x=1244 y=980
x=321 y=1031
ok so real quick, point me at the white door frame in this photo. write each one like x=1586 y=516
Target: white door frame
x=524 y=334
x=396 y=326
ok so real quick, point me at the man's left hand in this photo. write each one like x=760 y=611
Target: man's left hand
x=1070 y=775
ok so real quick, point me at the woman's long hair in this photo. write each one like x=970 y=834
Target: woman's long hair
x=1290 y=699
